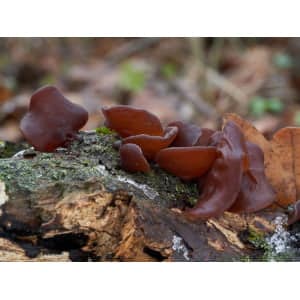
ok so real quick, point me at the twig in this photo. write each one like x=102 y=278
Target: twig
x=185 y=91
x=127 y=49
x=130 y=48
x=198 y=52
x=215 y=52
x=210 y=75
x=226 y=86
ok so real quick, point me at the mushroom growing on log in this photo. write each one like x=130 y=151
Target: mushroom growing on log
x=128 y=121
x=256 y=193
x=151 y=144
x=132 y=159
x=52 y=120
x=222 y=184
x=187 y=162
x=101 y=212
x=235 y=179
x=59 y=209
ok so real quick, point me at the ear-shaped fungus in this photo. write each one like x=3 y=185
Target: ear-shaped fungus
x=190 y=135
x=150 y=144
x=186 y=162
x=256 y=192
x=127 y=121
x=215 y=138
x=132 y=159
x=223 y=181
x=205 y=136
x=52 y=120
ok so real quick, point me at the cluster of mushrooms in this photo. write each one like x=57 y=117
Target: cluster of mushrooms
x=229 y=170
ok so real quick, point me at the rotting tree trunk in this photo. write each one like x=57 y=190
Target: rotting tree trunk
x=77 y=204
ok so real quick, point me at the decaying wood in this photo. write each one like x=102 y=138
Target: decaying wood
x=77 y=204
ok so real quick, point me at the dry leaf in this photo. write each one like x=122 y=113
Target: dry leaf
x=282 y=161
x=5 y=93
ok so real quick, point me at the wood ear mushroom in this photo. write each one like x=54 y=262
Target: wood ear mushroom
x=256 y=193
x=151 y=144
x=52 y=120
x=132 y=159
x=222 y=183
x=190 y=135
x=187 y=162
x=128 y=121
x=229 y=170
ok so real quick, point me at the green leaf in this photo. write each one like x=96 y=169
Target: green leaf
x=274 y=105
x=131 y=78
x=297 y=118
x=48 y=79
x=258 y=106
x=282 y=61
x=168 y=70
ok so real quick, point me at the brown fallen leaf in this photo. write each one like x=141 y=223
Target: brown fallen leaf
x=282 y=160
x=5 y=93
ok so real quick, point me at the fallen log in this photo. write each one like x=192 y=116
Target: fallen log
x=77 y=204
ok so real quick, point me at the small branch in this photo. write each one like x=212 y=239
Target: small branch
x=210 y=75
x=185 y=90
x=215 y=52
x=226 y=86
x=130 y=48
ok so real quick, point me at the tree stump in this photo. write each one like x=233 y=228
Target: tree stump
x=77 y=204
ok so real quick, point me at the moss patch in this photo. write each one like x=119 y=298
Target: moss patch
x=80 y=163
x=8 y=149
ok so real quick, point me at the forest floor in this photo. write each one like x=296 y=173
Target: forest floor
x=193 y=79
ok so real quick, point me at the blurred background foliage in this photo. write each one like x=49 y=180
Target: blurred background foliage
x=192 y=79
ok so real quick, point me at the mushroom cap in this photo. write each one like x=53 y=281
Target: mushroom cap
x=128 y=121
x=205 y=137
x=132 y=159
x=52 y=120
x=187 y=162
x=256 y=192
x=188 y=134
x=151 y=144
x=222 y=183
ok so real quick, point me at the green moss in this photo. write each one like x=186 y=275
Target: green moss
x=245 y=258
x=103 y=130
x=80 y=163
x=8 y=149
x=257 y=239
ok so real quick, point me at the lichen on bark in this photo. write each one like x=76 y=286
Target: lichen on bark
x=87 y=158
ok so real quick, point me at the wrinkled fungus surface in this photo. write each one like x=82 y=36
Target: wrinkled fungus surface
x=256 y=192
x=52 y=120
x=222 y=184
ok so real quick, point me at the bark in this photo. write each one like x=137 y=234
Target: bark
x=78 y=205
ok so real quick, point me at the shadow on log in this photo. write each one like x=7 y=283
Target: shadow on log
x=78 y=205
